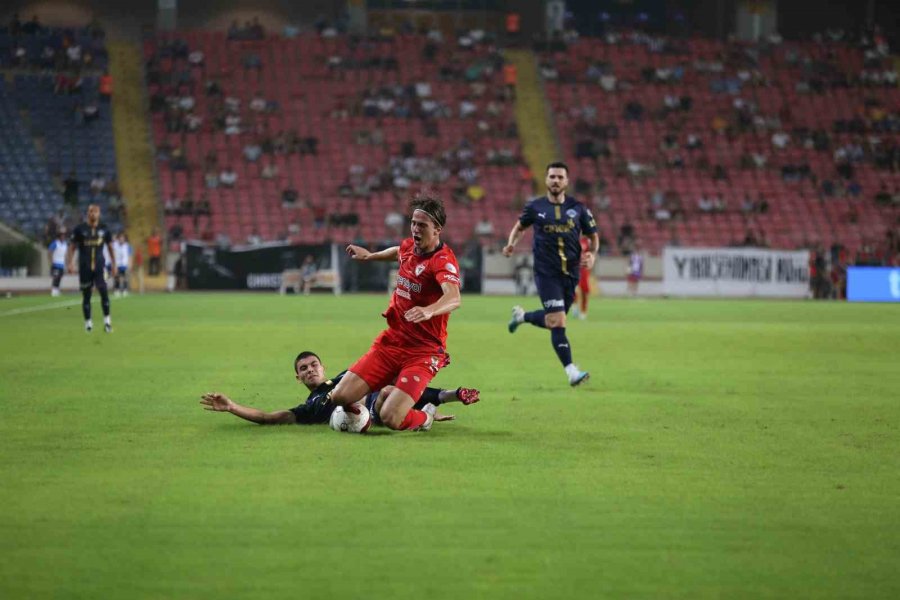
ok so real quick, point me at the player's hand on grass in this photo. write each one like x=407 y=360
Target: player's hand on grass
x=357 y=252
x=216 y=402
x=440 y=417
x=417 y=314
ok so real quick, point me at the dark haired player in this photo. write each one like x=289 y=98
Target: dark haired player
x=559 y=222
x=90 y=237
x=411 y=351
x=318 y=407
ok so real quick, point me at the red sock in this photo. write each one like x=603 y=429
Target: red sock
x=413 y=419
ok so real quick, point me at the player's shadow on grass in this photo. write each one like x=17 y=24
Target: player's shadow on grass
x=454 y=430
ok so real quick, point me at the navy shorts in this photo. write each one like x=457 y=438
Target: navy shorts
x=557 y=293
x=92 y=278
x=370 y=406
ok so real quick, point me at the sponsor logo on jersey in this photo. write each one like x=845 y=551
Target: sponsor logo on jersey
x=419 y=269
x=571 y=213
x=451 y=268
x=561 y=228
x=403 y=282
x=542 y=215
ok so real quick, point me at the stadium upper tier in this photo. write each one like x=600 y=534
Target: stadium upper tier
x=343 y=124
x=699 y=141
x=693 y=142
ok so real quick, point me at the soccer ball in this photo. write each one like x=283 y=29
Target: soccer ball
x=347 y=422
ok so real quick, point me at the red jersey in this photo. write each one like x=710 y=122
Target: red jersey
x=419 y=284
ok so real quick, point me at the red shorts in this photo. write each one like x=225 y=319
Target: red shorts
x=408 y=368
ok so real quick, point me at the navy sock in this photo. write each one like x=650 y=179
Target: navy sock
x=104 y=301
x=536 y=318
x=429 y=396
x=86 y=303
x=561 y=345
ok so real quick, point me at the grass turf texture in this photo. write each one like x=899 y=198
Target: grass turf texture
x=721 y=449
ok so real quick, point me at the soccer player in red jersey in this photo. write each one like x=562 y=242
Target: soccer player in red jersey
x=410 y=352
x=583 y=291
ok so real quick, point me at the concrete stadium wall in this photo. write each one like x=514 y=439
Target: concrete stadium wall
x=609 y=276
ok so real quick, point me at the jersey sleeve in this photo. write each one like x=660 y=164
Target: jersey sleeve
x=526 y=219
x=446 y=269
x=107 y=236
x=588 y=223
x=52 y=245
x=308 y=414
x=77 y=236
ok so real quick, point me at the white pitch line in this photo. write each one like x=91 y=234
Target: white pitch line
x=28 y=309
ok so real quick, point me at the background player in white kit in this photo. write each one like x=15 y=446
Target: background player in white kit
x=57 y=250
x=122 y=251
x=635 y=270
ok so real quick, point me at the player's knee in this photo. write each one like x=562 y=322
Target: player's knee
x=340 y=397
x=555 y=319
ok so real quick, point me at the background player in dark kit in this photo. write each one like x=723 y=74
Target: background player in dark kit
x=559 y=222
x=89 y=238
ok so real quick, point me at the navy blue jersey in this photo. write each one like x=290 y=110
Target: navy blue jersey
x=318 y=407
x=90 y=241
x=557 y=234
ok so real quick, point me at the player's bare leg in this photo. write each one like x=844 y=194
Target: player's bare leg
x=397 y=412
x=349 y=390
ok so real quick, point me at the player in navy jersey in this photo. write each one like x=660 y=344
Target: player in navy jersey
x=317 y=408
x=559 y=222
x=90 y=238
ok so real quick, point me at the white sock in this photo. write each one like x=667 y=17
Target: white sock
x=106 y=320
x=89 y=323
x=571 y=370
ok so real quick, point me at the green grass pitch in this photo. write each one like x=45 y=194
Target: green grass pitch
x=722 y=449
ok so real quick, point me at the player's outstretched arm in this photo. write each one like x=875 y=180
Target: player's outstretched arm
x=448 y=302
x=360 y=253
x=217 y=402
x=514 y=236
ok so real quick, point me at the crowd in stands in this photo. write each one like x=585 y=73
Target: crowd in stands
x=664 y=132
x=33 y=46
x=734 y=129
x=459 y=129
